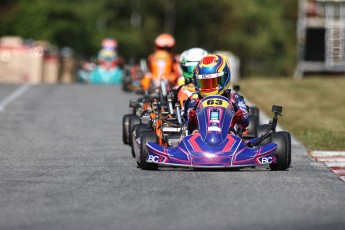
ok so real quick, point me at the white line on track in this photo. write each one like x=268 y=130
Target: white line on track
x=13 y=96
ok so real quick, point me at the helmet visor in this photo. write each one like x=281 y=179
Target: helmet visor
x=109 y=59
x=210 y=82
x=188 y=68
x=166 y=48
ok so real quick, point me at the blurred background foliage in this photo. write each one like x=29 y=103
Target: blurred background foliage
x=261 y=32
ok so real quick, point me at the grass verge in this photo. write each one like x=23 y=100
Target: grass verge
x=313 y=108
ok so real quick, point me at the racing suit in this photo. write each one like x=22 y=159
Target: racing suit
x=241 y=116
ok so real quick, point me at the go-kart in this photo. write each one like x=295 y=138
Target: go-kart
x=163 y=120
x=131 y=78
x=138 y=106
x=90 y=73
x=149 y=107
x=155 y=85
x=215 y=145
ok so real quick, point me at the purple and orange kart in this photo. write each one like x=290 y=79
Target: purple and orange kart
x=215 y=146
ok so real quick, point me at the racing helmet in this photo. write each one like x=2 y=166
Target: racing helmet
x=212 y=75
x=107 y=58
x=106 y=55
x=165 y=41
x=109 y=43
x=188 y=60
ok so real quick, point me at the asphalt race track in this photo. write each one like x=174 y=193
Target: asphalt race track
x=63 y=166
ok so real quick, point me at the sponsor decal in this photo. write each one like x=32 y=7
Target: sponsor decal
x=210 y=60
x=214 y=128
x=207 y=76
x=153 y=159
x=266 y=160
x=211 y=75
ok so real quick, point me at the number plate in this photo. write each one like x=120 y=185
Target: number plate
x=215 y=103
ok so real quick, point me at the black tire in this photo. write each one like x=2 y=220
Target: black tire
x=255 y=113
x=126 y=87
x=253 y=126
x=144 y=138
x=283 y=152
x=288 y=137
x=261 y=130
x=125 y=126
x=136 y=130
x=126 y=81
x=132 y=121
x=254 y=121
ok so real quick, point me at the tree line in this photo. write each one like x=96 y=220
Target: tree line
x=261 y=32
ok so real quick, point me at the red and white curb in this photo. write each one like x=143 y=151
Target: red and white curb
x=334 y=160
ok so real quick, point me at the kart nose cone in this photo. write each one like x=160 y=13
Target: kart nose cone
x=211 y=160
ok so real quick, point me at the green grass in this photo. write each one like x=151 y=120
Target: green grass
x=313 y=108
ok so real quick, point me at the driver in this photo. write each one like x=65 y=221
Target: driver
x=188 y=60
x=162 y=63
x=212 y=77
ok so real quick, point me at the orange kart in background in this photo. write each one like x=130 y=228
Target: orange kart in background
x=160 y=78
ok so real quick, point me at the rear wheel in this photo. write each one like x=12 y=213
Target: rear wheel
x=126 y=81
x=125 y=126
x=283 y=152
x=136 y=130
x=254 y=121
x=262 y=130
x=144 y=138
x=132 y=121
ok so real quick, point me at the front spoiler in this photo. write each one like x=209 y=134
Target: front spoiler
x=193 y=152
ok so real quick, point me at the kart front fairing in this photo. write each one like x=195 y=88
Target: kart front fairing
x=193 y=152
x=213 y=146
x=101 y=75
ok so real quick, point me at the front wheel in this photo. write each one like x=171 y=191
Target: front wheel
x=136 y=130
x=144 y=138
x=283 y=152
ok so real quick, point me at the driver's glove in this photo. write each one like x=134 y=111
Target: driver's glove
x=192 y=117
x=237 y=118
